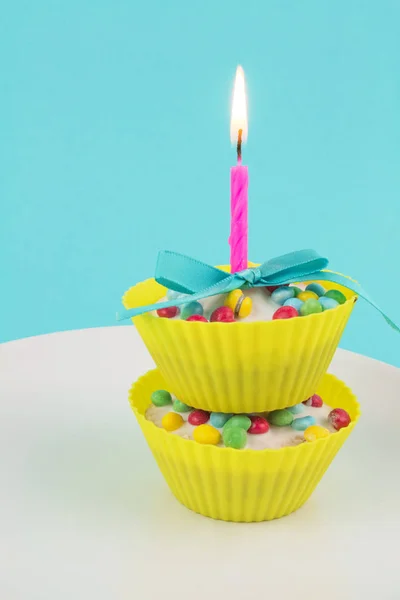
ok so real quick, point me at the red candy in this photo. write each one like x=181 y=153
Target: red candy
x=285 y=312
x=168 y=313
x=223 y=314
x=258 y=425
x=198 y=417
x=197 y=318
x=339 y=418
x=315 y=401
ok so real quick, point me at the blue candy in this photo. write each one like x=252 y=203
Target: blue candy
x=282 y=294
x=316 y=288
x=328 y=303
x=296 y=409
x=193 y=308
x=302 y=423
x=218 y=419
x=295 y=302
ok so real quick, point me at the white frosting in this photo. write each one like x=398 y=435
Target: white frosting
x=262 y=310
x=276 y=437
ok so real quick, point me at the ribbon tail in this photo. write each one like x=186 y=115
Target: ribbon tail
x=333 y=278
x=356 y=287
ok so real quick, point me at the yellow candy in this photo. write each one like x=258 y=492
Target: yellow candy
x=172 y=421
x=315 y=432
x=303 y=296
x=246 y=307
x=239 y=303
x=206 y=434
x=233 y=298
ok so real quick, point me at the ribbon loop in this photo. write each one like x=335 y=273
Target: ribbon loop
x=184 y=274
x=293 y=265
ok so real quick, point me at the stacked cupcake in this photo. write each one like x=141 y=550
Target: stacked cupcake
x=240 y=415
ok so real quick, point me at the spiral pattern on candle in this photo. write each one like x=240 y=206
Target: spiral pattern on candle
x=238 y=237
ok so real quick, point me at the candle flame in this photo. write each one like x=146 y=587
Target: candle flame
x=239 y=107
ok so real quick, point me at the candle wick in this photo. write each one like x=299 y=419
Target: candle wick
x=239 y=146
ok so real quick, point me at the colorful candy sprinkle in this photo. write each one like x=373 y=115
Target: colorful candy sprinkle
x=304 y=296
x=339 y=418
x=242 y=421
x=336 y=295
x=200 y=318
x=258 y=425
x=234 y=437
x=310 y=306
x=192 y=308
x=168 y=313
x=172 y=421
x=328 y=303
x=180 y=407
x=219 y=419
x=223 y=314
x=285 y=312
x=296 y=409
x=302 y=423
x=314 y=400
x=282 y=294
x=316 y=288
x=198 y=417
x=294 y=302
x=280 y=417
x=206 y=434
x=161 y=398
x=315 y=432
x=296 y=290
x=239 y=303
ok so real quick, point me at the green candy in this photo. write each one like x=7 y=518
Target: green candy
x=179 y=406
x=296 y=290
x=241 y=421
x=161 y=398
x=310 y=307
x=336 y=295
x=280 y=418
x=234 y=437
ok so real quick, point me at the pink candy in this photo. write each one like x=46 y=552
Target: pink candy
x=285 y=312
x=198 y=417
x=339 y=418
x=258 y=425
x=197 y=318
x=223 y=314
x=168 y=313
x=315 y=401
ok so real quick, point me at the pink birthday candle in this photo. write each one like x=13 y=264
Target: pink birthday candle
x=239 y=179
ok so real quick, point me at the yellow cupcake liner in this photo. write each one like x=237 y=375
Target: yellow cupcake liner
x=242 y=485
x=240 y=367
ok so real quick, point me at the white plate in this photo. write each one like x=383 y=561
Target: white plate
x=86 y=515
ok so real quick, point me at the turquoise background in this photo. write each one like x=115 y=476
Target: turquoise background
x=115 y=144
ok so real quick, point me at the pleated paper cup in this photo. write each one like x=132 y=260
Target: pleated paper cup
x=240 y=367
x=242 y=485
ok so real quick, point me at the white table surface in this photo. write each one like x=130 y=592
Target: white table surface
x=85 y=514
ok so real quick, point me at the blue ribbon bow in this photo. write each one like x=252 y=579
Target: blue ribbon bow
x=189 y=276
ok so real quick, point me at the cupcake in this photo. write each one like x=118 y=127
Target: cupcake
x=232 y=362
x=252 y=362
x=213 y=472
